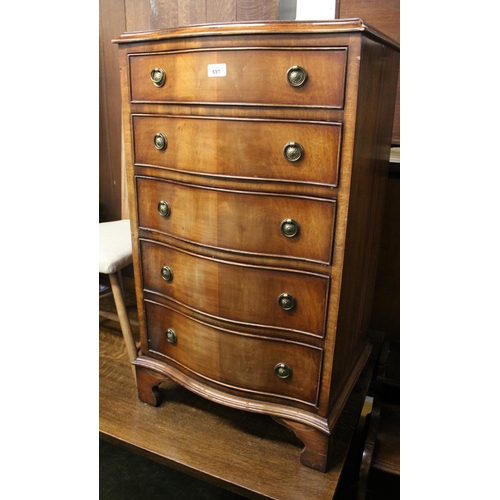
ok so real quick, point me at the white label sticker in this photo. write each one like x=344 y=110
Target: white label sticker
x=217 y=69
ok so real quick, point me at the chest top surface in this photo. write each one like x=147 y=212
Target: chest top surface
x=258 y=28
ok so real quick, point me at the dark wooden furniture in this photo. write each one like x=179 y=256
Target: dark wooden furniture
x=381 y=451
x=257 y=158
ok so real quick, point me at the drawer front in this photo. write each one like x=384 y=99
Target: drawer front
x=290 y=151
x=232 y=359
x=245 y=294
x=241 y=221
x=242 y=76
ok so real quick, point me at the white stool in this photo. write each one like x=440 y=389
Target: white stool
x=115 y=252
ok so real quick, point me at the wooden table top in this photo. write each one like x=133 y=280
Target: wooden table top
x=243 y=452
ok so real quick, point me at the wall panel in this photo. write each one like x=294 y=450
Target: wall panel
x=111 y=24
x=383 y=15
x=221 y=11
x=137 y=14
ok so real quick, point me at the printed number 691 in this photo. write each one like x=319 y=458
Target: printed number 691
x=215 y=70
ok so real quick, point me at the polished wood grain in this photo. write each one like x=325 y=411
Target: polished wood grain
x=238 y=218
x=240 y=148
x=243 y=452
x=296 y=28
x=368 y=182
x=245 y=294
x=240 y=221
x=253 y=76
x=230 y=359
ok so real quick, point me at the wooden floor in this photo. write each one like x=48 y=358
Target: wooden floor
x=232 y=452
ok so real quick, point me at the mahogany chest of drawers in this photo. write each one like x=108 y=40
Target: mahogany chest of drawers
x=256 y=161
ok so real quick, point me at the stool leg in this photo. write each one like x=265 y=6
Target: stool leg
x=114 y=279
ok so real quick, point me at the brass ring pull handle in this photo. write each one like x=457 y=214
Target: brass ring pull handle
x=289 y=228
x=286 y=301
x=160 y=141
x=171 y=336
x=158 y=77
x=164 y=208
x=282 y=370
x=166 y=273
x=296 y=76
x=293 y=151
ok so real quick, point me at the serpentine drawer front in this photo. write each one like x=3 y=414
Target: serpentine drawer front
x=239 y=221
x=227 y=357
x=265 y=149
x=256 y=159
x=273 y=298
x=260 y=75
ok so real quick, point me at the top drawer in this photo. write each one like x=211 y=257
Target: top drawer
x=242 y=76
